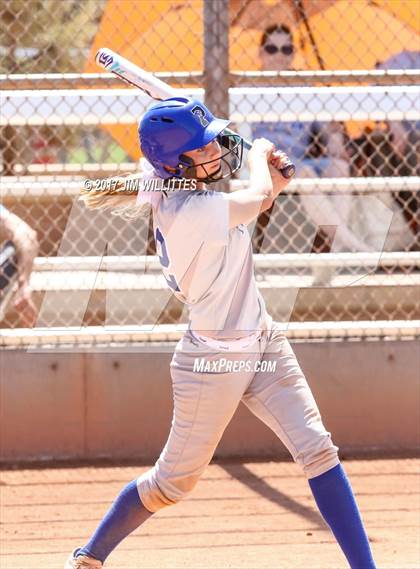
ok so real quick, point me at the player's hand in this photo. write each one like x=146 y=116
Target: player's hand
x=261 y=148
x=25 y=305
x=278 y=160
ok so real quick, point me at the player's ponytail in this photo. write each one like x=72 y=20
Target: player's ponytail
x=126 y=196
x=118 y=196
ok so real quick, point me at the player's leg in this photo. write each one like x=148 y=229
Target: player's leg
x=283 y=400
x=125 y=515
x=204 y=403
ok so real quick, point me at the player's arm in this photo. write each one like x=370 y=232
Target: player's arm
x=265 y=184
x=26 y=242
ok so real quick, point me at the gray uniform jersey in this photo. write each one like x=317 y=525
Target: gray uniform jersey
x=207 y=265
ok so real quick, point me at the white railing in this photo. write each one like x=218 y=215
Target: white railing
x=164 y=333
x=273 y=261
x=237 y=78
x=248 y=104
x=37 y=186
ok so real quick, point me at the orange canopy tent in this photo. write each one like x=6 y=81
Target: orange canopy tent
x=358 y=35
x=167 y=35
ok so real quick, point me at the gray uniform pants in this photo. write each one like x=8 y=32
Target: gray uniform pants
x=205 y=401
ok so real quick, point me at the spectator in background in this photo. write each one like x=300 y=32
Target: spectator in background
x=392 y=149
x=405 y=135
x=18 y=249
x=405 y=143
x=317 y=149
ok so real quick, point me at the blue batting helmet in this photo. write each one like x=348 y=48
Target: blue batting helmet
x=174 y=126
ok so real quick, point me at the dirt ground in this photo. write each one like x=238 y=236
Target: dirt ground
x=251 y=515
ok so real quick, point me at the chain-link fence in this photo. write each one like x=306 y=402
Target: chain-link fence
x=335 y=84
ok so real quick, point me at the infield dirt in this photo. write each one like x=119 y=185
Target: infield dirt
x=248 y=515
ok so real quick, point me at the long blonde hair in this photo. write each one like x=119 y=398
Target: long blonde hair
x=116 y=198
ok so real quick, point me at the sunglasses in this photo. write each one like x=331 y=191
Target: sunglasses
x=285 y=49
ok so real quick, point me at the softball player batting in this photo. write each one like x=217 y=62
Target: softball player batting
x=205 y=252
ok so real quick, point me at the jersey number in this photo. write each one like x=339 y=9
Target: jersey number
x=164 y=261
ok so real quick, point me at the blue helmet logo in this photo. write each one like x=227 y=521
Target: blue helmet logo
x=201 y=115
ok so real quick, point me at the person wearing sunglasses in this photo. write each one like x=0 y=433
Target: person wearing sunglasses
x=277 y=48
x=317 y=149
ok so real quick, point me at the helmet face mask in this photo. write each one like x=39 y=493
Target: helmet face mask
x=176 y=126
x=230 y=161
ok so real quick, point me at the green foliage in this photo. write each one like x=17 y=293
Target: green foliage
x=60 y=30
x=115 y=154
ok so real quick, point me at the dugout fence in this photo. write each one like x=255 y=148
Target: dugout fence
x=340 y=251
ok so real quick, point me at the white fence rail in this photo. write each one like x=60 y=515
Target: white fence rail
x=247 y=104
x=170 y=333
x=55 y=186
x=273 y=261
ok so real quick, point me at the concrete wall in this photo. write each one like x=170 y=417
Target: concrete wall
x=91 y=405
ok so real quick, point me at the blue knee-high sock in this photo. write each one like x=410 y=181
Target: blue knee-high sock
x=336 y=502
x=125 y=515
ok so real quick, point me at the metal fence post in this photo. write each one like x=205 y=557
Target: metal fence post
x=216 y=61
x=216 y=56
